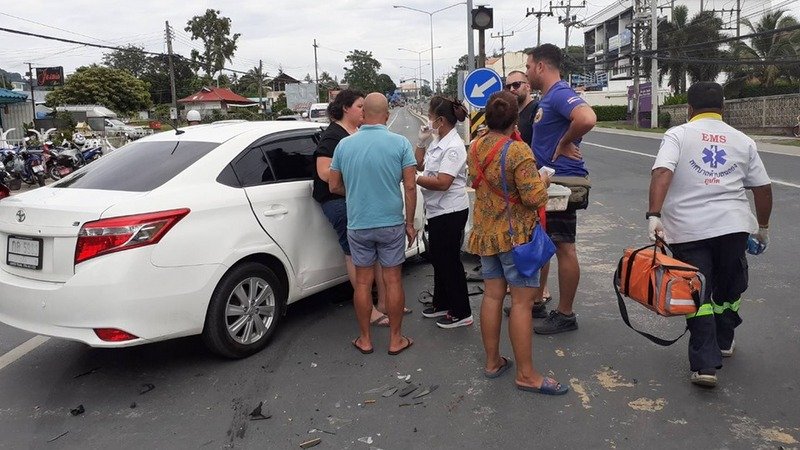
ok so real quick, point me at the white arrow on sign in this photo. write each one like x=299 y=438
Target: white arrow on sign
x=479 y=90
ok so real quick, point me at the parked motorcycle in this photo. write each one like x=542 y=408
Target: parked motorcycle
x=4 y=176
x=25 y=164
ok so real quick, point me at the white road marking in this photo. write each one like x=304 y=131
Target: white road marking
x=782 y=183
x=395 y=118
x=22 y=350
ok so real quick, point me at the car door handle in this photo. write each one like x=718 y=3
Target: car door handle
x=279 y=211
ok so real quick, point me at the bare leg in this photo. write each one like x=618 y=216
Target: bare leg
x=520 y=331
x=491 y=320
x=543 y=292
x=362 y=303
x=380 y=308
x=569 y=274
x=395 y=302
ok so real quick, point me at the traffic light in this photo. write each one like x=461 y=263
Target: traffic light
x=482 y=18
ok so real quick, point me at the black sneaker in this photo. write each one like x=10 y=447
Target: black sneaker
x=449 y=321
x=557 y=323
x=539 y=311
x=432 y=313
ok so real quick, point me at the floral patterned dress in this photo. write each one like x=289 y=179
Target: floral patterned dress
x=526 y=189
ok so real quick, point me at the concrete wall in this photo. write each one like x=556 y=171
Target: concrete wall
x=775 y=114
x=13 y=116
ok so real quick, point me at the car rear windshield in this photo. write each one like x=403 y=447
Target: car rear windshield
x=316 y=113
x=139 y=166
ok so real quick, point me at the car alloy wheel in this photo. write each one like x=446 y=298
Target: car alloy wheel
x=250 y=310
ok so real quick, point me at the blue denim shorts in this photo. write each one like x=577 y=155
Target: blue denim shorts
x=501 y=265
x=386 y=245
x=336 y=212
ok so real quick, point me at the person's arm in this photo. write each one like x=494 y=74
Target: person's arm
x=582 y=120
x=324 y=167
x=335 y=182
x=441 y=182
x=530 y=186
x=410 y=193
x=762 y=197
x=660 y=180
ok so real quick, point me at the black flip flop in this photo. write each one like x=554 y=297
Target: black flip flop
x=402 y=349
x=507 y=363
x=364 y=352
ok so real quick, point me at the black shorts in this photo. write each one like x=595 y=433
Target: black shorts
x=562 y=226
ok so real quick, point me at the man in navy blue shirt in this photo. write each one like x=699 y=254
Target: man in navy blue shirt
x=562 y=119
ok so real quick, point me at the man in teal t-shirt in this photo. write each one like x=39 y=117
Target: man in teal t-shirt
x=368 y=168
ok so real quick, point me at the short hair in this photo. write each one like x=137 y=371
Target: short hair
x=344 y=99
x=516 y=71
x=452 y=110
x=502 y=111
x=705 y=95
x=549 y=54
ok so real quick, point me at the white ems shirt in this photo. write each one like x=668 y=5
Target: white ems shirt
x=449 y=156
x=712 y=163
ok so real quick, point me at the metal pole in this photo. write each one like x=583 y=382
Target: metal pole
x=470 y=39
x=316 y=69
x=172 y=76
x=635 y=51
x=538 y=30
x=566 y=28
x=654 y=65
x=481 y=48
x=419 y=61
x=431 y=14
x=738 y=16
x=261 y=88
x=33 y=100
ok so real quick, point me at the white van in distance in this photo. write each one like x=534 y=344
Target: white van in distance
x=318 y=112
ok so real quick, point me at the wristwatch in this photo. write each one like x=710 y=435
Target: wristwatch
x=648 y=215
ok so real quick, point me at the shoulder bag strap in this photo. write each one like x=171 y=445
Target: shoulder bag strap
x=505 y=188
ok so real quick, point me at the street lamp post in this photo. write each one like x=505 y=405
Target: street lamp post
x=430 y=14
x=419 y=56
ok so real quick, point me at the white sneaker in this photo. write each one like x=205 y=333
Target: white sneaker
x=449 y=321
x=727 y=353
x=700 y=379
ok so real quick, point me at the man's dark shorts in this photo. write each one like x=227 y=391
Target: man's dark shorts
x=336 y=212
x=562 y=226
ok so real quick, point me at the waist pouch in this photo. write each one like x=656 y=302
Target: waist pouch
x=579 y=198
x=658 y=282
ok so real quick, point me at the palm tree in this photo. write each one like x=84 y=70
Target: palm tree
x=249 y=82
x=675 y=35
x=766 y=48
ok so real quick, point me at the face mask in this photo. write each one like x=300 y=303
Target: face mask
x=434 y=130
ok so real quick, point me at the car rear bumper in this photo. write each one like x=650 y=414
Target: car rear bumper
x=153 y=303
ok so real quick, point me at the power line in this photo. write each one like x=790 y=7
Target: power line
x=50 y=26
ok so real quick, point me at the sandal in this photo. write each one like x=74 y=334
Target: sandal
x=402 y=349
x=549 y=387
x=507 y=363
x=363 y=352
x=382 y=321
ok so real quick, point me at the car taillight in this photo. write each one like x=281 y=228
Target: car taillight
x=122 y=233
x=113 y=335
x=4 y=192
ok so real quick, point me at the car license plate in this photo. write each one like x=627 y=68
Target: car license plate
x=38 y=169
x=24 y=252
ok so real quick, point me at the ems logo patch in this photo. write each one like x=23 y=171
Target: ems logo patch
x=714 y=156
x=538 y=117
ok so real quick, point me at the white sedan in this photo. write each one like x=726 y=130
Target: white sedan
x=209 y=231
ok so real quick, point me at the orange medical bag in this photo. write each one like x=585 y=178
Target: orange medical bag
x=659 y=282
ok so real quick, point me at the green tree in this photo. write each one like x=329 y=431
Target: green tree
x=326 y=83
x=363 y=71
x=451 y=83
x=218 y=44
x=132 y=58
x=115 y=89
x=385 y=84
x=425 y=91
x=249 y=82
x=772 y=46
x=157 y=76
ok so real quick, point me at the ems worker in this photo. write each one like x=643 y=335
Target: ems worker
x=699 y=206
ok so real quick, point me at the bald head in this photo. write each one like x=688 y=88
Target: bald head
x=376 y=109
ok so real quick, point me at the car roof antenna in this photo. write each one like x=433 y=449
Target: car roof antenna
x=179 y=131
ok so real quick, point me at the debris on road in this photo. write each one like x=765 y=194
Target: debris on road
x=317 y=430
x=390 y=392
x=406 y=378
x=311 y=443
x=408 y=389
x=146 y=387
x=426 y=391
x=86 y=373
x=256 y=414
x=378 y=390
x=338 y=423
x=133 y=405
x=369 y=402
x=77 y=411
x=366 y=439
x=58 y=437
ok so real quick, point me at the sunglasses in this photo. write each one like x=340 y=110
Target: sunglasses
x=515 y=85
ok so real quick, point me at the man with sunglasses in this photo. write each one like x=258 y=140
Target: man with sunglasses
x=517 y=84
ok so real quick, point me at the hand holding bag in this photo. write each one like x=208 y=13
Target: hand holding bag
x=529 y=257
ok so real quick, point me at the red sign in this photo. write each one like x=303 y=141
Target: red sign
x=50 y=76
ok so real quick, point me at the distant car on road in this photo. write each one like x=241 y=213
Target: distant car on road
x=212 y=231
x=318 y=112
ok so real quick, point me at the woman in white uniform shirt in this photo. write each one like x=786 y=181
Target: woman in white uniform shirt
x=444 y=188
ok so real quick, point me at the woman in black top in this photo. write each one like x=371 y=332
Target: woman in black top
x=346 y=115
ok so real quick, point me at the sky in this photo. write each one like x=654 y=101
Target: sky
x=279 y=32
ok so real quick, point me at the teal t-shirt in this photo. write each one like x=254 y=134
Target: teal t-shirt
x=371 y=163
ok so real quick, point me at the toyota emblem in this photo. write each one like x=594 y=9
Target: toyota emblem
x=20 y=215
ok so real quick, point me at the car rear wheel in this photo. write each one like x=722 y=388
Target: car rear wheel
x=244 y=311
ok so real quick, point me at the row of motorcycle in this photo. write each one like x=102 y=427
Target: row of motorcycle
x=33 y=164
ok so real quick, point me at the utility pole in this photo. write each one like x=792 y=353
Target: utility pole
x=635 y=54
x=470 y=39
x=481 y=48
x=738 y=17
x=261 y=88
x=33 y=100
x=569 y=20
x=654 y=64
x=174 y=116
x=538 y=14
x=316 y=68
x=503 y=37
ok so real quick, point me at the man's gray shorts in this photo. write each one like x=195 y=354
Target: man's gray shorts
x=386 y=245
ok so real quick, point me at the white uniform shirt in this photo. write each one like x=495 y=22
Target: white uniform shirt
x=449 y=156
x=712 y=163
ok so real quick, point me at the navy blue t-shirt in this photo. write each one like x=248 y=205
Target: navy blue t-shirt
x=549 y=126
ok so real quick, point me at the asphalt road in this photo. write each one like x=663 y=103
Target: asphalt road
x=626 y=392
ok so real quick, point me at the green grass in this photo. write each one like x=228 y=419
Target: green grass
x=627 y=126
x=792 y=142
